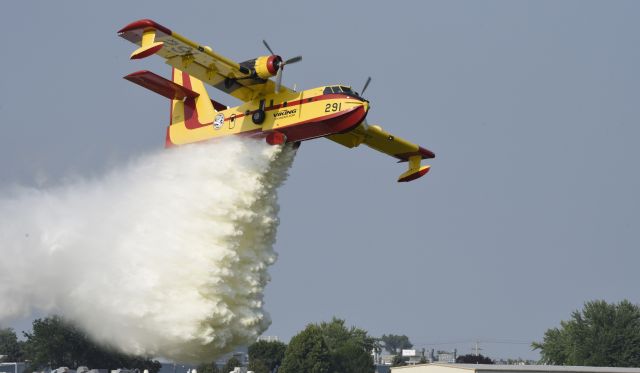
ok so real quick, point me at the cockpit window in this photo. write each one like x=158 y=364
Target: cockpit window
x=340 y=89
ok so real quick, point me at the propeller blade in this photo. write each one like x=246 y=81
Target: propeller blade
x=268 y=47
x=293 y=60
x=365 y=85
x=279 y=79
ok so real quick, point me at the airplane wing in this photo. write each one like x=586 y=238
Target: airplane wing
x=376 y=138
x=237 y=79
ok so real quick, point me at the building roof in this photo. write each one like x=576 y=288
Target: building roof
x=520 y=368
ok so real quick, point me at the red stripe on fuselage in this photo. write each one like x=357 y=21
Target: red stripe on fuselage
x=191 y=113
x=306 y=100
x=291 y=104
x=324 y=126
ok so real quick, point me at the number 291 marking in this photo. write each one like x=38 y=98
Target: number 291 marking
x=332 y=107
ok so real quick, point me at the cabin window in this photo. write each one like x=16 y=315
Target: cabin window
x=284 y=104
x=310 y=99
x=270 y=103
x=327 y=91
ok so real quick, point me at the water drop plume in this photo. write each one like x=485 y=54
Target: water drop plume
x=166 y=256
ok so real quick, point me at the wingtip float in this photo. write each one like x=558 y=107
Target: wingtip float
x=270 y=110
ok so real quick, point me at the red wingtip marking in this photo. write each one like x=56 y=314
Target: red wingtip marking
x=142 y=24
x=422 y=152
x=426 y=153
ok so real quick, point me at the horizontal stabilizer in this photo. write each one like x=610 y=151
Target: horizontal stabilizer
x=160 y=85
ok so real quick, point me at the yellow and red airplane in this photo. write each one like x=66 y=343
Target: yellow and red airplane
x=270 y=110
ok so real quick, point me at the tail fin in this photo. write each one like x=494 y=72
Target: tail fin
x=193 y=111
x=191 y=106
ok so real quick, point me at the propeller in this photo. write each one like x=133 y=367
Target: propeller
x=267 y=45
x=366 y=84
x=280 y=65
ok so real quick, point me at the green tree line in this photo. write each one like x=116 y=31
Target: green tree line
x=54 y=343
x=601 y=334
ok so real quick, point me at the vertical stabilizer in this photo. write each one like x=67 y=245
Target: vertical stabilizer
x=194 y=112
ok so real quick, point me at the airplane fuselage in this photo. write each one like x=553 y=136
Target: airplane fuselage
x=299 y=116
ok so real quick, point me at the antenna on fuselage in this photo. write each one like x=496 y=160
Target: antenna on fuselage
x=366 y=84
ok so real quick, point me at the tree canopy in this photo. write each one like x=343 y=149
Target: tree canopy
x=601 y=334
x=208 y=368
x=307 y=352
x=231 y=365
x=396 y=343
x=474 y=359
x=265 y=356
x=350 y=348
x=329 y=347
x=57 y=343
x=10 y=346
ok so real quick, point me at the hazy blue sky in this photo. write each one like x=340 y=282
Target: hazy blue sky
x=531 y=207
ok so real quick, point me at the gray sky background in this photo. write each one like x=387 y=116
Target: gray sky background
x=531 y=207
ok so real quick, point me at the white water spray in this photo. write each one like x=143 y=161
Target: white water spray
x=165 y=257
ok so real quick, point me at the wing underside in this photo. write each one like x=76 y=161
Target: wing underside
x=197 y=60
x=376 y=138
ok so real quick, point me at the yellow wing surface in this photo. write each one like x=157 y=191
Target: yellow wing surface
x=376 y=138
x=245 y=80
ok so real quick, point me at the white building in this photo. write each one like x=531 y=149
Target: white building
x=12 y=367
x=490 y=368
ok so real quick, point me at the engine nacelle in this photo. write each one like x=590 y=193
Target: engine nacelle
x=267 y=66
